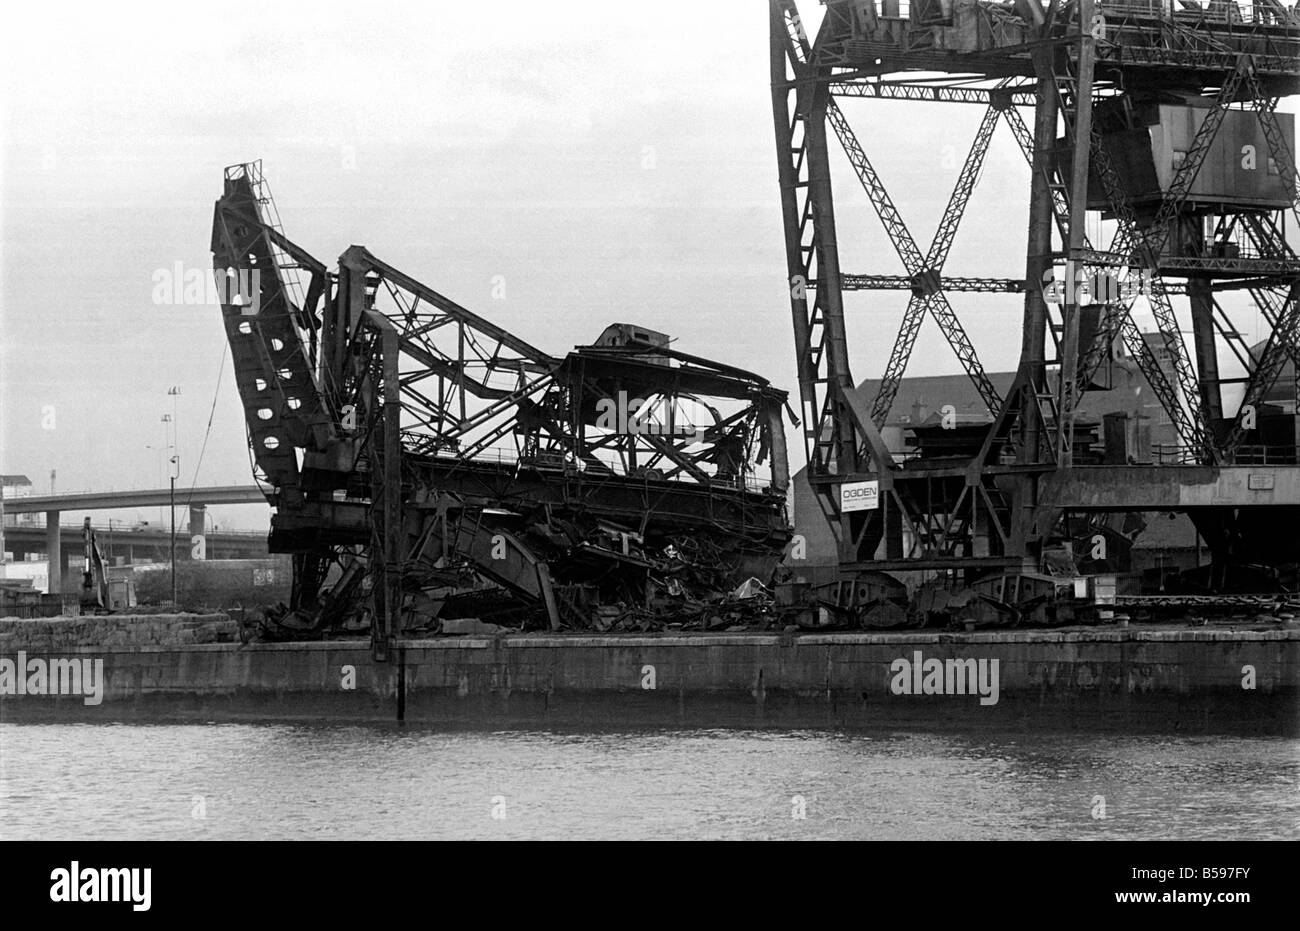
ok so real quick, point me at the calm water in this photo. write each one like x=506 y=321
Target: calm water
x=285 y=781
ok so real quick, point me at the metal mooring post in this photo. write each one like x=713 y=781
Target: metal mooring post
x=386 y=501
x=401 y=683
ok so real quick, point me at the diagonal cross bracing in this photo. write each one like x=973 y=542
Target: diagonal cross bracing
x=923 y=269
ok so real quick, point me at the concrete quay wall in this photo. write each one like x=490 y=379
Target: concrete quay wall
x=1158 y=680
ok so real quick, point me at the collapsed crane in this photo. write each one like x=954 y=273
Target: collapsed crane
x=424 y=464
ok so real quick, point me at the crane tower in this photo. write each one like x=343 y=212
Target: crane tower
x=1152 y=120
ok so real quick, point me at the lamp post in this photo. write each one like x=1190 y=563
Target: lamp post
x=174 y=418
x=175 y=393
x=176 y=469
x=162 y=450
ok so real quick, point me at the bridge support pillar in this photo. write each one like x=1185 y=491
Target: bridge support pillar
x=198 y=520
x=54 y=552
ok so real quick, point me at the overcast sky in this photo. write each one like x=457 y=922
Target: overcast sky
x=613 y=162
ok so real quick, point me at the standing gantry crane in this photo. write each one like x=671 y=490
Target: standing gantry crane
x=1160 y=117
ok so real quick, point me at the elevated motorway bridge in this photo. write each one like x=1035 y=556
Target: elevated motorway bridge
x=51 y=538
x=111 y=500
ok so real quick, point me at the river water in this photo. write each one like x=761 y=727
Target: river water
x=279 y=781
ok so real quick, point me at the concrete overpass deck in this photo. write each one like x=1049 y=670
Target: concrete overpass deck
x=195 y=500
x=111 y=500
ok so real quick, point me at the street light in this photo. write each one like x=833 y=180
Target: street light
x=175 y=394
x=176 y=471
x=176 y=418
x=162 y=450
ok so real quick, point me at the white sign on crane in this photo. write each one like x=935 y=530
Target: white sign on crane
x=859 y=496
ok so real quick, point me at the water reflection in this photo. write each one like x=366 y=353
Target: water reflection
x=288 y=781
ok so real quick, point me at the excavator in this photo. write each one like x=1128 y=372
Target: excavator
x=95 y=597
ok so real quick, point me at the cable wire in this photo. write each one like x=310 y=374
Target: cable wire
x=225 y=348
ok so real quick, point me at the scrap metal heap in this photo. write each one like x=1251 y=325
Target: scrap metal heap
x=1159 y=117
x=427 y=467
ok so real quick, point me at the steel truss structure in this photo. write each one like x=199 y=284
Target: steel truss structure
x=1079 y=70
x=416 y=453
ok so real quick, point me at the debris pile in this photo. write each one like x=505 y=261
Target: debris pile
x=604 y=575
x=425 y=464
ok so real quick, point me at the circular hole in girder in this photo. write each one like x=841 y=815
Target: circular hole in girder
x=259 y=384
x=293 y=403
x=246 y=328
x=277 y=344
x=271 y=443
x=264 y=413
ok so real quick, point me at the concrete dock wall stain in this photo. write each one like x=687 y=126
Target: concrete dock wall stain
x=1197 y=679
